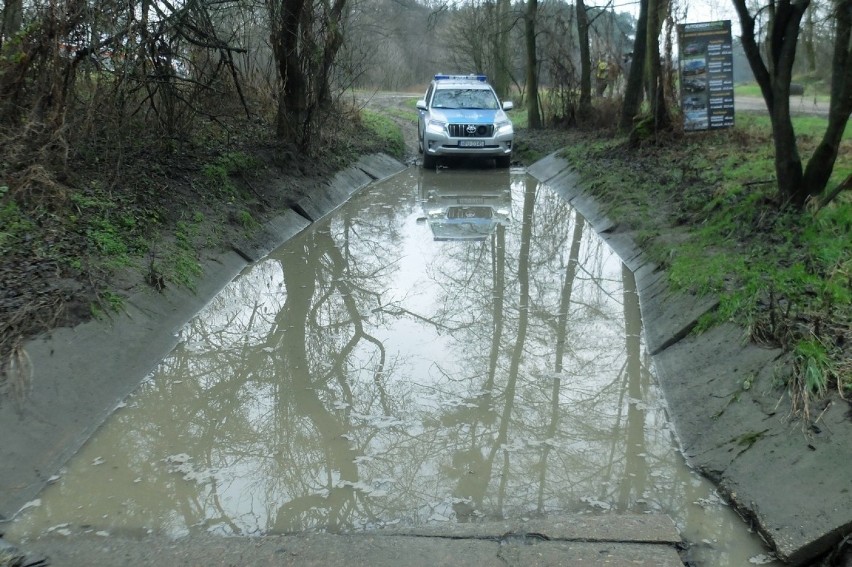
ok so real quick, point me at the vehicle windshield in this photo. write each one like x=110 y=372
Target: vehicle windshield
x=465 y=98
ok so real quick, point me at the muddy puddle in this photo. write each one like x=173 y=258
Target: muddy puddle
x=451 y=346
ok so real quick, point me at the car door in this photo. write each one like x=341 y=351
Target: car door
x=422 y=114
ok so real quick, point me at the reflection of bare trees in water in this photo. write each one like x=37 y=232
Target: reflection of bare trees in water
x=636 y=467
x=270 y=387
x=472 y=484
x=564 y=308
x=294 y=391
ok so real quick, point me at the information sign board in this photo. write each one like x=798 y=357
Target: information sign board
x=706 y=66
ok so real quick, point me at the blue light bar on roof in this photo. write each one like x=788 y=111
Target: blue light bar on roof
x=480 y=78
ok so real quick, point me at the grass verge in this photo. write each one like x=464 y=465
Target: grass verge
x=70 y=249
x=385 y=131
x=705 y=206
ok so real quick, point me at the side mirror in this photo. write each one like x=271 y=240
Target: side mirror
x=421 y=104
x=508 y=105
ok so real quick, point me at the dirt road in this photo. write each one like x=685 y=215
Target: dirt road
x=798 y=105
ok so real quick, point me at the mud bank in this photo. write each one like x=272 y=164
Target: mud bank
x=732 y=417
x=81 y=374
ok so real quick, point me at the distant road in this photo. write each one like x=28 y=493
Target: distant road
x=798 y=105
x=802 y=105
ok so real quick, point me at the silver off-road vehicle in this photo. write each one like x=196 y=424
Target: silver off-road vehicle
x=462 y=116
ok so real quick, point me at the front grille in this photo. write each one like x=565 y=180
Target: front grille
x=469 y=213
x=471 y=130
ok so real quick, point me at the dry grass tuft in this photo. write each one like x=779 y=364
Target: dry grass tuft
x=16 y=377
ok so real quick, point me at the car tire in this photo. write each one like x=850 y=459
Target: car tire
x=429 y=162
x=503 y=161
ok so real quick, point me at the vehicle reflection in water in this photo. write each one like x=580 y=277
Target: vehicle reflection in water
x=365 y=376
x=465 y=204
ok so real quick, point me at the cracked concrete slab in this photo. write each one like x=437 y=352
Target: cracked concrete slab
x=731 y=415
x=633 y=528
x=549 y=166
x=280 y=229
x=373 y=549
x=81 y=373
x=378 y=166
x=365 y=171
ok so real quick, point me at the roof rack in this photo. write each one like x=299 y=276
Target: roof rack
x=471 y=77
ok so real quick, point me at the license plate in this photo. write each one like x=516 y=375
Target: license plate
x=471 y=143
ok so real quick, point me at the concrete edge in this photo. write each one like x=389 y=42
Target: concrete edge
x=367 y=549
x=344 y=184
x=80 y=374
x=730 y=417
x=622 y=528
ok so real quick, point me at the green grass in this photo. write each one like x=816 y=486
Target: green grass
x=806 y=126
x=108 y=302
x=386 y=130
x=181 y=263
x=783 y=276
x=119 y=232
x=519 y=117
x=113 y=233
x=813 y=91
x=403 y=114
x=14 y=226
x=218 y=174
x=814 y=372
x=747 y=90
x=412 y=103
x=246 y=220
x=809 y=131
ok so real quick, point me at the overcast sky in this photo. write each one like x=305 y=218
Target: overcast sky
x=696 y=10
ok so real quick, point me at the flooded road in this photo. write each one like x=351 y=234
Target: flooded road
x=450 y=346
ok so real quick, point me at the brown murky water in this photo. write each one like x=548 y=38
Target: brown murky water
x=447 y=347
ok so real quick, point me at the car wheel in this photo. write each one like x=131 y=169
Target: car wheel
x=503 y=161
x=429 y=162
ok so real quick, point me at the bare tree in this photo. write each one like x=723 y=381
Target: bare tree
x=503 y=62
x=656 y=85
x=10 y=20
x=633 y=91
x=585 y=57
x=772 y=69
x=533 y=111
x=306 y=38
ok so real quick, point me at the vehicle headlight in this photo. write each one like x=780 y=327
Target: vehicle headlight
x=436 y=126
x=435 y=213
x=504 y=127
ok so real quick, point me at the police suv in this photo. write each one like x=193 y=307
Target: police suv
x=462 y=116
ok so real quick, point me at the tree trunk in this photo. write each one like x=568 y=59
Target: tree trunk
x=774 y=79
x=585 y=58
x=502 y=79
x=533 y=111
x=810 y=42
x=788 y=163
x=656 y=90
x=333 y=43
x=633 y=90
x=292 y=100
x=822 y=162
x=12 y=17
